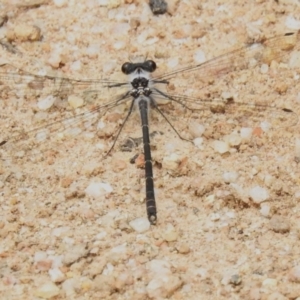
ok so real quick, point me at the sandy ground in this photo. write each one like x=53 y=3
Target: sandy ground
x=228 y=223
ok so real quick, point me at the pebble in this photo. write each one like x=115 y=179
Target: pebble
x=172 y=62
x=246 y=133
x=183 y=248
x=54 y=60
x=47 y=291
x=31 y=3
x=75 y=252
x=69 y=286
x=279 y=224
x=46 y=103
x=233 y=139
x=196 y=129
x=235 y=279
x=163 y=286
x=159 y=266
x=292 y=23
x=75 y=101
x=170 y=234
x=40 y=255
x=265 y=126
x=270 y=283
x=220 y=147
x=198 y=142
x=294 y=61
x=56 y=261
x=276 y=296
x=297 y=148
x=118 y=253
x=258 y=194
x=98 y=189
x=60 y=3
x=215 y=217
x=265 y=210
x=101 y=235
x=171 y=162
x=105 y=284
x=199 y=57
x=140 y=225
x=264 y=68
x=294 y=274
x=230 y=177
x=56 y=275
x=24 y=32
x=76 y=65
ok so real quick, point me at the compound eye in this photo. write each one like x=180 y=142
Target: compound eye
x=151 y=65
x=127 y=68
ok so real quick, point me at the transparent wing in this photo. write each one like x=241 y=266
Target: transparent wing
x=28 y=120
x=199 y=88
x=276 y=48
x=234 y=113
x=19 y=83
x=50 y=129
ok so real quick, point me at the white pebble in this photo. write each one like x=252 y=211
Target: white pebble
x=92 y=51
x=265 y=210
x=39 y=256
x=54 y=60
x=159 y=266
x=215 y=217
x=220 y=147
x=46 y=103
x=264 y=68
x=75 y=252
x=69 y=287
x=171 y=162
x=163 y=287
x=265 y=126
x=233 y=139
x=24 y=32
x=140 y=225
x=297 y=195
x=269 y=179
x=246 y=133
x=230 y=177
x=199 y=57
x=117 y=254
x=119 y=249
x=101 y=235
x=98 y=189
x=226 y=95
x=57 y=232
x=170 y=234
x=75 y=101
x=60 y=3
x=119 y=45
x=294 y=274
x=56 y=275
x=269 y=283
x=294 y=61
x=297 y=147
x=42 y=135
x=56 y=261
x=172 y=62
x=196 y=129
x=258 y=194
x=292 y=23
x=76 y=65
x=47 y=290
x=198 y=142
